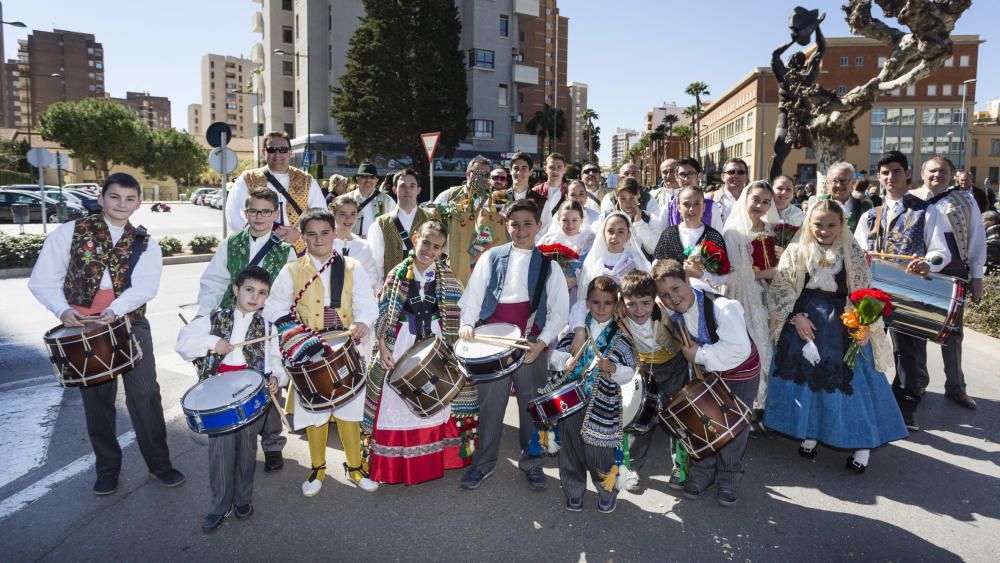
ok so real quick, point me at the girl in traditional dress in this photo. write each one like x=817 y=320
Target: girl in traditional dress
x=615 y=252
x=577 y=191
x=345 y=213
x=790 y=216
x=679 y=241
x=823 y=399
x=568 y=230
x=749 y=236
x=419 y=299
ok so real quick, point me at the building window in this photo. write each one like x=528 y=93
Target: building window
x=949 y=62
x=548 y=83
x=286 y=5
x=503 y=96
x=504 y=26
x=548 y=68
x=946 y=90
x=881 y=62
x=481 y=128
x=290 y=129
x=286 y=34
x=911 y=90
x=481 y=58
x=296 y=26
x=520 y=118
x=963 y=60
x=961 y=89
x=231 y=85
x=908 y=117
x=287 y=99
x=548 y=26
x=859 y=61
x=932 y=89
x=841 y=89
x=548 y=40
x=944 y=116
x=520 y=36
x=844 y=61
x=878 y=116
x=230 y=106
x=92 y=87
x=287 y=68
x=298 y=101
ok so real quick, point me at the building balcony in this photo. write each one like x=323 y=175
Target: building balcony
x=257 y=53
x=525 y=74
x=526 y=8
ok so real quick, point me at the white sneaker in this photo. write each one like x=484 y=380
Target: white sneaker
x=366 y=485
x=633 y=482
x=310 y=488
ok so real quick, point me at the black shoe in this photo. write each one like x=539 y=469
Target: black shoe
x=574 y=504
x=273 y=461
x=473 y=478
x=213 y=521
x=106 y=484
x=810 y=453
x=693 y=491
x=607 y=505
x=726 y=497
x=910 y=420
x=855 y=467
x=962 y=399
x=244 y=511
x=537 y=480
x=170 y=477
x=676 y=482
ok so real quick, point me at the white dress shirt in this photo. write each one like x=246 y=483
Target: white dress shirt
x=733 y=346
x=237 y=197
x=516 y=290
x=196 y=340
x=935 y=227
x=376 y=238
x=367 y=215
x=724 y=203
x=359 y=249
x=49 y=273
x=215 y=281
x=975 y=256
x=689 y=237
x=621 y=375
x=643 y=335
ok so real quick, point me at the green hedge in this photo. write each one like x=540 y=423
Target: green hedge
x=170 y=246
x=203 y=244
x=8 y=177
x=20 y=251
x=984 y=316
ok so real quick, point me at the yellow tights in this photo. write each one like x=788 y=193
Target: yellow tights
x=350 y=437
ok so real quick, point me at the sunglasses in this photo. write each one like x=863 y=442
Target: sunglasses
x=591 y=171
x=279 y=150
x=736 y=172
x=501 y=179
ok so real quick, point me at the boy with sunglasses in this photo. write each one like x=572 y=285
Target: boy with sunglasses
x=296 y=189
x=506 y=193
x=256 y=245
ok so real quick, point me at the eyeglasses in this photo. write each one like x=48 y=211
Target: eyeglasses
x=501 y=179
x=279 y=150
x=737 y=172
x=591 y=171
x=839 y=181
x=260 y=212
x=687 y=174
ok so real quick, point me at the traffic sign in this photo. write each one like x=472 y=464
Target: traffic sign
x=214 y=134
x=216 y=161
x=306 y=159
x=40 y=157
x=430 y=141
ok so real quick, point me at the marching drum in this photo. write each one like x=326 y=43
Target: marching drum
x=705 y=415
x=225 y=402
x=332 y=377
x=427 y=378
x=558 y=404
x=94 y=353
x=926 y=306
x=640 y=403
x=484 y=361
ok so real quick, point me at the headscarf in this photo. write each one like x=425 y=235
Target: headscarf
x=594 y=265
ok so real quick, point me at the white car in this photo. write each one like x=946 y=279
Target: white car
x=196 y=195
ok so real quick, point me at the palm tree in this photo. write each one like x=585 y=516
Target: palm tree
x=684 y=132
x=542 y=125
x=697 y=89
x=669 y=121
x=589 y=116
x=656 y=139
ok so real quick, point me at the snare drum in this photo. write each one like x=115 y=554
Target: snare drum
x=640 y=403
x=927 y=307
x=558 y=404
x=705 y=415
x=483 y=361
x=427 y=378
x=331 y=378
x=225 y=402
x=94 y=353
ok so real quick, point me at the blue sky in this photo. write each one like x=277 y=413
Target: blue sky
x=633 y=56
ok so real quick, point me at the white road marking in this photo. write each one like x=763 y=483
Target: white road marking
x=51 y=378
x=27 y=419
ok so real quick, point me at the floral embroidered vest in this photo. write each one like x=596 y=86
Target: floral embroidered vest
x=91 y=252
x=222 y=326
x=299 y=183
x=238 y=256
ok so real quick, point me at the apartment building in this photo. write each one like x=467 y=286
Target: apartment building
x=224 y=95
x=577 y=106
x=154 y=111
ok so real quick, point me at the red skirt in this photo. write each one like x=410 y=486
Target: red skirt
x=414 y=456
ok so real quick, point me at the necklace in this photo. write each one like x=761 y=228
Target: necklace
x=827 y=258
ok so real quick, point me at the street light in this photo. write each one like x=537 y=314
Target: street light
x=15 y=24
x=54 y=75
x=256 y=108
x=308 y=91
x=965 y=122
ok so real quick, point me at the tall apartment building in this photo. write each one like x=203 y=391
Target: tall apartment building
x=152 y=110
x=194 y=119
x=620 y=143
x=56 y=66
x=921 y=120
x=223 y=80
x=6 y=96
x=577 y=106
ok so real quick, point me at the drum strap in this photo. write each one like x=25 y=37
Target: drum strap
x=138 y=247
x=281 y=190
x=259 y=257
x=363 y=205
x=403 y=234
x=536 y=295
x=337 y=268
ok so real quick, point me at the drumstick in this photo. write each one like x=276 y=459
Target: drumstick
x=254 y=340
x=887 y=256
x=686 y=341
x=505 y=338
x=281 y=411
x=501 y=343
x=183 y=320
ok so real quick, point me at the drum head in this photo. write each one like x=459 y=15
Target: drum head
x=335 y=343
x=65 y=331
x=417 y=354
x=472 y=349
x=633 y=394
x=222 y=390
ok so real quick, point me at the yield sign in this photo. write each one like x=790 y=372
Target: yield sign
x=430 y=141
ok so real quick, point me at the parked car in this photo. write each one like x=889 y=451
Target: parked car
x=9 y=198
x=204 y=197
x=215 y=201
x=89 y=187
x=28 y=188
x=196 y=195
x=88 y=200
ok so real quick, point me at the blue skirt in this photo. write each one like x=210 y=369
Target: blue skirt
x=843 y=408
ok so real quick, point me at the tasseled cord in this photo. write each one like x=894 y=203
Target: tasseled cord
x=618 y=474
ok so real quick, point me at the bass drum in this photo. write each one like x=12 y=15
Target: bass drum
x=928 y=307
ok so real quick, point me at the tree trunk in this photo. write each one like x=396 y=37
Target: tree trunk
x=828 y=152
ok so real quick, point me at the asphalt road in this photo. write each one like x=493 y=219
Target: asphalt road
x=932 y=497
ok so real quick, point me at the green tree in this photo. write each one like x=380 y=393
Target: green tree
x=546 y=122
x=684 y=132
x=697 y=89
x=97 y=131
x=14 y=156
x=405 y=76
x=175 y=154
x=591 y=133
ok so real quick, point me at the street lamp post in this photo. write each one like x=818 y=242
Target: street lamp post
x=965 y=123
x=308 y=92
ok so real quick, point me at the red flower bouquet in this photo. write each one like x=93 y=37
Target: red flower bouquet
x=784 y=233
x=869 y=305
x=561 y=253
x=711 y=258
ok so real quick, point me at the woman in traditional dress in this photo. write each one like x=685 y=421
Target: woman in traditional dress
x=815 y=395
x=419 y=299
x=749 y=236
x=790 y=216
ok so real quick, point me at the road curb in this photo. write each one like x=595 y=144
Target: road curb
x=10 y=273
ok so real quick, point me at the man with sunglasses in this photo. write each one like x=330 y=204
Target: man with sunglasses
x=296 y=189
x=594 y=182
x=255 y=245
x=505 y=195
x=478 y=165
x=734 y=179
x=372 y=202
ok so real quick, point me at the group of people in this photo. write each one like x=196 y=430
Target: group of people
x=662 y=282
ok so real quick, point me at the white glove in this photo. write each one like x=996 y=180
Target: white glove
x=810 y=352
